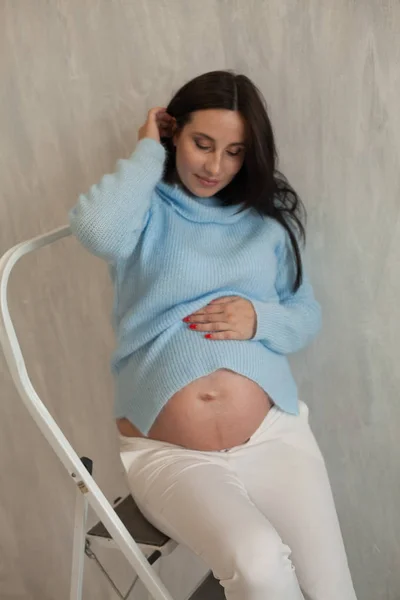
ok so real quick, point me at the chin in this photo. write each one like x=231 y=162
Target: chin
x=202 y=193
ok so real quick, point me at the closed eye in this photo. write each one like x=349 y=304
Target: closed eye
x=201 y=146
x=236 y=153
x=230 y=153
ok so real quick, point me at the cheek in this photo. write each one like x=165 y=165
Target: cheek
x=186 y=159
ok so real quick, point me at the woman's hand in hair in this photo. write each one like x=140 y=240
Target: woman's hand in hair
x=158 y=124
x=227 y=318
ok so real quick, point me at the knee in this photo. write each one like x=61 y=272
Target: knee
x=262 y=567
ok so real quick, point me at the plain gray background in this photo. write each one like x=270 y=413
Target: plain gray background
x=77 y=77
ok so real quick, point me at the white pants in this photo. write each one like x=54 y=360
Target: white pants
x=261 y=515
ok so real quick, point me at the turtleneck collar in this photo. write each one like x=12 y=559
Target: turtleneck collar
x=200 y=210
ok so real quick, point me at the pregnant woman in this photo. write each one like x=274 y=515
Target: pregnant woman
x=203 y=237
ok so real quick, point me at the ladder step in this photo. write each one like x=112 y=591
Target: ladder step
x=140 y=529
x=144 y=533
x=209 y=589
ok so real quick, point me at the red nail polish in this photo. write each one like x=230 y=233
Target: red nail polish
x=186 y=320
x=192 y=326
x=208 y=336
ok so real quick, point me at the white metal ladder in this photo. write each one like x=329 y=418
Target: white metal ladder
x=112 y=526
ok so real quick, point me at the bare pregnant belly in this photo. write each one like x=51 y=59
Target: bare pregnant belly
x=215 y=412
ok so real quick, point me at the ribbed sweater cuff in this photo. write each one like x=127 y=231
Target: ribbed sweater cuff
x=270 y=320
x=151 y=152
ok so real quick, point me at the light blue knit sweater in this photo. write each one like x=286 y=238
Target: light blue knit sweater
x=171 y=254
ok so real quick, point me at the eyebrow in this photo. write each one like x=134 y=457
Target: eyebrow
x=213 y=140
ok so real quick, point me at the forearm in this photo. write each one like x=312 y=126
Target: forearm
x=287 y=327
x=107 y=217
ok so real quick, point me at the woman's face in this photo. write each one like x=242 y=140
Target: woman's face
x=210 y=150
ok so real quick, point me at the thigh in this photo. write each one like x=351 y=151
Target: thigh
x=198 y=500
x=285 y=476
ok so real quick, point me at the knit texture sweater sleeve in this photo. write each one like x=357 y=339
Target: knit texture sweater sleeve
x=110 y=217
x=290 y=324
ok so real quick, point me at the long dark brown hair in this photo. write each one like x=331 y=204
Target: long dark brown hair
x=258 y=184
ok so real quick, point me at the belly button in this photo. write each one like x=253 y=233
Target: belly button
x=208 y=396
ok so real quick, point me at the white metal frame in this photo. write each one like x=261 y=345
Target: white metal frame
x=88 y=492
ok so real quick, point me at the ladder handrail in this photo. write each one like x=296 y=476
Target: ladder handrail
x=52 y=432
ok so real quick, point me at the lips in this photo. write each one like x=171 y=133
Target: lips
x=207 y=182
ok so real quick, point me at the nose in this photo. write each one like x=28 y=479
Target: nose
x=213 y=164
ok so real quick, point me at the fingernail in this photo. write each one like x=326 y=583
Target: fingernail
x=192 y=326
x=208 y=336
x=186 y=319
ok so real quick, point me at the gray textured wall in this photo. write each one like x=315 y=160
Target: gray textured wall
x=77 y=77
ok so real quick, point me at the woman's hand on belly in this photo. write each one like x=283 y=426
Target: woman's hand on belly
x=227 y=318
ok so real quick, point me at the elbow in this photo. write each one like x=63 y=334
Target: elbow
x=300 y=337
x=74 y=217
x=76 y=222
x=312 y=323
x=82 y=225
x=86 y=231
x=314 y=320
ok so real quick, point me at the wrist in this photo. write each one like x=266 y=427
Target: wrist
x=151 y=149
